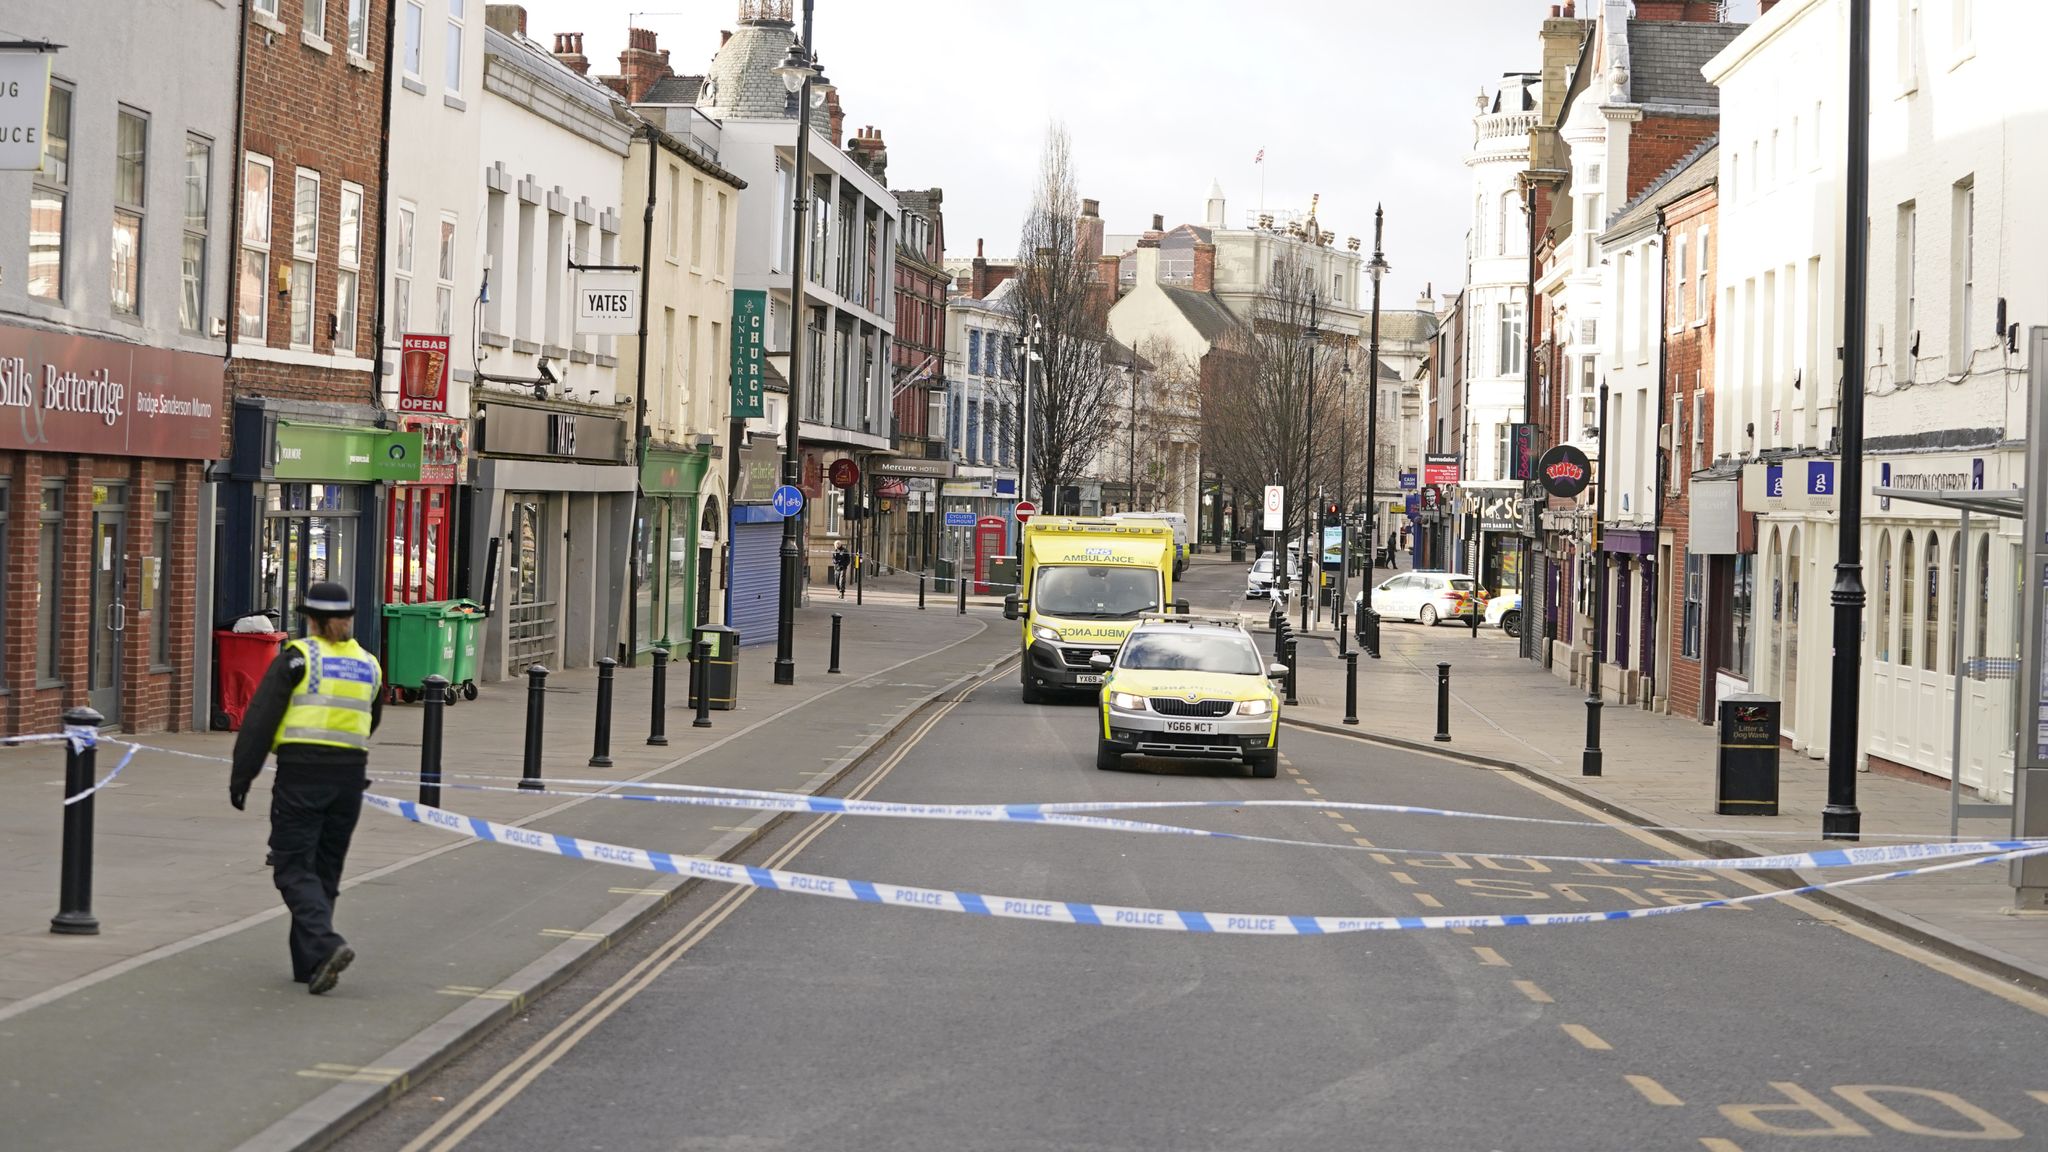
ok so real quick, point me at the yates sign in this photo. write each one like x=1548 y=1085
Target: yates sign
x=1564 y=471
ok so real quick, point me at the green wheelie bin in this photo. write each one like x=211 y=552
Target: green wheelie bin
x=419 y=641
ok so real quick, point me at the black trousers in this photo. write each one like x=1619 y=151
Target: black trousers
x=312 y=818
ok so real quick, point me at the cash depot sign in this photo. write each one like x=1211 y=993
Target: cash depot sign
x=607 y=303
x=61 y=393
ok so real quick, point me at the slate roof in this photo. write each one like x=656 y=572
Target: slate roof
x=1665 y=58
x=1211 y=320
x=1699 y=169
x=674 y=90
x=1410 y=325
x=741 y=82
x=917 y=200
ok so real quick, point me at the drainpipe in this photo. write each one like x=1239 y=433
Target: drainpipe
x=383 y=208
x=234 y=316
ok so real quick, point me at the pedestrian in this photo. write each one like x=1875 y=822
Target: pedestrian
x=840 y=559
x=316 y=708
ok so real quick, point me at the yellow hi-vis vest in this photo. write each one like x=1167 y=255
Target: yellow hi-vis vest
x=331 y=702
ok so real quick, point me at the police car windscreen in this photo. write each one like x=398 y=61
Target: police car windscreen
x=1190 y=652
x=1096 y=591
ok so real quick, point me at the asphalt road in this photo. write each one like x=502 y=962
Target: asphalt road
x=779 y=1021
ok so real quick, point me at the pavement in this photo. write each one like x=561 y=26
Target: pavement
x=1658 y=771
x=182 y=1006
x=752 y=1020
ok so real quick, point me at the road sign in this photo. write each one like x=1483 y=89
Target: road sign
x=959 y=519
x=1276 y=505
x=1025 y=511
x=788 y=500
x=845 y=473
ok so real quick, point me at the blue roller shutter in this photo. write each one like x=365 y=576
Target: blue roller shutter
x=755 y=578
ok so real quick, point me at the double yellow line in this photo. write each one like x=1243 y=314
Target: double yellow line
x=491 y=1097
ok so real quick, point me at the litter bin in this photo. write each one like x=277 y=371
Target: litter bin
x=240 y=659
x=1746 y=776
x=468 y=617
x=1237 y=551
x=1003 y=572
x=419 y=641
x=722 y=672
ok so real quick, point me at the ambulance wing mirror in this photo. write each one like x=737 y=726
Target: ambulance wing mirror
x=1011 y=606
x=1181 y=606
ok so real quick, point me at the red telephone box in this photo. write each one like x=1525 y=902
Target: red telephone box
x=988 y=543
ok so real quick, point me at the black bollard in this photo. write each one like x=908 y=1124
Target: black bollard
x=702 y=675
x=1351 y=687
x=657 y=724
x=1591 y=759
x=1343 y=625
x=960 y=587
x=536 y=716
x=859 y=581
x=1472 y=618
x=433 y=699
x=74 y=877
x=1291 y=673
x=601 y=741
x=920 y=591
x=834 y=669
x=1443 y=700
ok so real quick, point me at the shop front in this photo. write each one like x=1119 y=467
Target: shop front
x=678 y=531
x=301 y=504
x=420 y=522
x=906 y=506
x=548 y=526
x=99 y=494
x=1500 y=539
x=753 y=561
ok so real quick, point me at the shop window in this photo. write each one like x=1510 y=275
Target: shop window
x=1735 y=626
x=156 y=583
x=1930 y=620
x=1881 y=634
x=1956 y=604
x=49 y=196
x=1906 y=603
x=1981 y=647
x=252 y=289
x=309 y=535
x=50 y=580
x=131 y=185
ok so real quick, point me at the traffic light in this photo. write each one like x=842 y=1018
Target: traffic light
x=1333 y=516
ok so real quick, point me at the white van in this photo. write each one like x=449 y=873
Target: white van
x=1180 y=534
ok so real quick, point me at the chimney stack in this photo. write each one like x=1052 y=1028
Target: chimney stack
x=870 y=153
x=1088 y=230
x=509 y=19
x=837 y=115
x=641 y=65
x=569 y=50
x=1685 y=11
x=1764 y=7
x=1158 y=222
x=1205 y=266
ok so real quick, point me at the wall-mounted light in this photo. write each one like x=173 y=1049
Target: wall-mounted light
x=284 y=280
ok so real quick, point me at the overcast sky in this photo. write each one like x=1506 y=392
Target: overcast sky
x=1365 y=101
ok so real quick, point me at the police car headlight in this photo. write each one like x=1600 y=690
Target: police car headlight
x=1126 y=702
x=1254 y=707
x=1039 y=632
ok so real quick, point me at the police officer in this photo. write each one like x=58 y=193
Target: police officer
x=316 y=708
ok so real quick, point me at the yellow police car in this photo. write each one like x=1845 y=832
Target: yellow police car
x=1187 y=687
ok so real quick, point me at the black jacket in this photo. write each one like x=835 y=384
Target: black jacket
x=266 y=712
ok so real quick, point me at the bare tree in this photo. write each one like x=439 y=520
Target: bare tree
x=1059 y=310
x=1256 y=406
x=1155 y=418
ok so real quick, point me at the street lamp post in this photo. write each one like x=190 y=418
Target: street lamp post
x=1308 y=455
x=1343 y=495
x=1590 y=760
x=1131 y=456
x=1369 y=620
x=1841 y=819
x=802 y=76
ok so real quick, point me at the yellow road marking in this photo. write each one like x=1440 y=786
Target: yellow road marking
x=1347 y=828
x=1403 y=878
x=1654 y=1092
x=1586 y=1038
x=462 y=1120
x=1312 y=792
x=1490 y=958
x=1428 y=901
x=2041 y=1096
x=1381 y=857
x=1361 y=841
x=1716 y=1144
x=1537 y=995
x=1462 y=931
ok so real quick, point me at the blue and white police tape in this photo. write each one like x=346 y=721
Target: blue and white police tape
x=1071 y=912
x=103 y=781
x=1858 y=857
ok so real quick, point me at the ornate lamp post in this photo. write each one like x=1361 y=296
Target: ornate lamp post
x=1369 y=620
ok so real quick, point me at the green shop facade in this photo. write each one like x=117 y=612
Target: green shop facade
x=679 y=538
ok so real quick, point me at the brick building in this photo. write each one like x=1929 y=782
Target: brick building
x=111 y=313
x=907 y=484
x=311 y=447
x=1691 y=641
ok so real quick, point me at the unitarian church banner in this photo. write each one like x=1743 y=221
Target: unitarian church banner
x=749 y=353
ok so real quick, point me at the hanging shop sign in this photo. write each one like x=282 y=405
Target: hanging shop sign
x=61 y=393
x=607 y=303
x=845 y=473
x=443 y=446
x=1522 y=456
x=1564 y=471
x=24 y=92
x=423 y=373
x=1440 y=468
x=760 y=472
x=665 y=472
x=353 y=454
x=1497 y=513
x=749 y=353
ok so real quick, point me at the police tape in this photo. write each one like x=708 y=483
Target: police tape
x=103 y=781
x=1858 y=857
x=1073 y=912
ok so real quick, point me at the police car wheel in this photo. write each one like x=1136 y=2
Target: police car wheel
x=1107 y=758
x=1265 y=765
